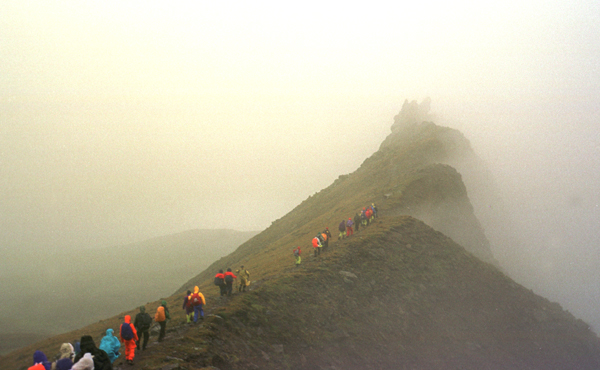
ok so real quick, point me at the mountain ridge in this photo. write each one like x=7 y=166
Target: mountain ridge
x=419 y=288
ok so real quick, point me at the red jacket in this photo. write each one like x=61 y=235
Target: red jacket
x=231 y=274
x=315 y=243
x=220 y=276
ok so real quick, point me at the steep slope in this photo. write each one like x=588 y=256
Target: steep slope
x=406 y=176
x=398 y=295
x=402 y=293
x=106 y=281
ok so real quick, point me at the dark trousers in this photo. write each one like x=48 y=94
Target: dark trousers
x=223 y=289
x=143 y=335
x=229 y=287
x=163 y=329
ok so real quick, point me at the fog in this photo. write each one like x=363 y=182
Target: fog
x=121 y=121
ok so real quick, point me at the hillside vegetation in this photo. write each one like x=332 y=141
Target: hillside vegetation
x=417 y=289
x=88 y=285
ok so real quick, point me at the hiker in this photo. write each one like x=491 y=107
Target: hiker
x=101 y=359
x=161 y=318
x=129 y=337
x=77 y=348
x=197 y=301
x=349 y=225
x=187 y=306
x=369 y=214
x=342 y=229
x=66 y=353
x=297 y=253
x=111 y=345
x=39 y=358
x=374 y=208
x=328 y=235
x=85 y=363
x=244 y=278
x=229 y=276
x=220 y=282
x=316 y=245
x=325 y=240
x=142 y=324
x=363 y=217
x=357 y=221
x=63 y=364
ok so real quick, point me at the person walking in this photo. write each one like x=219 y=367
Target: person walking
x=349 y=230
x=220 y=282
x=111 y=345
x=142 y=324
x=297 y=253
x=100 y=358
x=342 y=229
x=129 y=337
x=316 y=245
x=229 y=276
x=187 y=306
x=324 y=240
x=244 y=278
x=161 y=318
x=197 y=301
x=328 y=235
x=357 y=221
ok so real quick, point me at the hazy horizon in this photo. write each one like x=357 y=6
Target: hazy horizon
x=123 y=121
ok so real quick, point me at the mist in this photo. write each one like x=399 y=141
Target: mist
x=123 y=121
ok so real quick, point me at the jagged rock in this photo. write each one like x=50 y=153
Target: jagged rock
x=265 y=355
x=169 y=358
x=348 y=274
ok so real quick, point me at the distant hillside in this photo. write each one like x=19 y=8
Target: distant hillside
x=93 y=284
x=418 y=289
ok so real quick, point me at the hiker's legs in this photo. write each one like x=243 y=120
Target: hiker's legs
x=163 y=329
x=130 y=349
x=146 y=335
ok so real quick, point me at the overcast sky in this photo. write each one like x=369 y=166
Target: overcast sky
x=123 y=120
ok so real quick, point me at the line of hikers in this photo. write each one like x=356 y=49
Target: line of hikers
x=362 y=217
x=84 y=355
x=224 y=280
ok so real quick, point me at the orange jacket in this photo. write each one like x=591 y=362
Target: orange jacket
x=160 y=314
x=128 y=321
x=315 y=242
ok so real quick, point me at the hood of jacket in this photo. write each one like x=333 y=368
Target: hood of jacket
x=127 y=319
x=196 y=289
x=39 y=357
x=64 y=364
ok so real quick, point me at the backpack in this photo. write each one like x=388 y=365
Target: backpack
x=126 y=332
x=146 y=322
x=196 y=300
x=228 y=279
x=296 y=252
x=219 y=281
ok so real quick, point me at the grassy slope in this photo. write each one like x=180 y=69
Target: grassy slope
x=93 y=284
x=401 y=309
